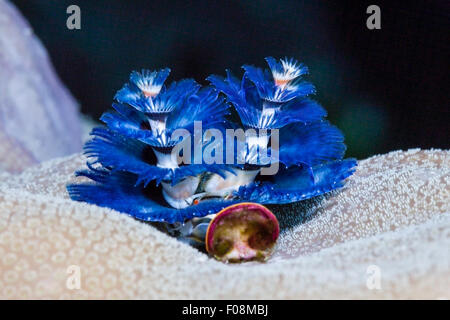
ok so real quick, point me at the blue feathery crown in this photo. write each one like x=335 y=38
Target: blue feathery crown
x=134 y=170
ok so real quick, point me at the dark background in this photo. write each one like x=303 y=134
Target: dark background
x=385 y=89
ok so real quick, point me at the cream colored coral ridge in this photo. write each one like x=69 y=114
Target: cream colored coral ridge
x=385 y=235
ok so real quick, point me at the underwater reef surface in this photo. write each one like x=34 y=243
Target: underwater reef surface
x=391 y=221
x=38 y=117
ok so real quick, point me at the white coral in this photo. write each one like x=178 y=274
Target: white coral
x=394 y=213
x=39 y=118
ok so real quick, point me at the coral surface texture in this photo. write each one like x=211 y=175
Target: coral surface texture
x=386 y=234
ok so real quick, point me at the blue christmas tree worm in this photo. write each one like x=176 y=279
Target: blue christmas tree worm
x=134 y=170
